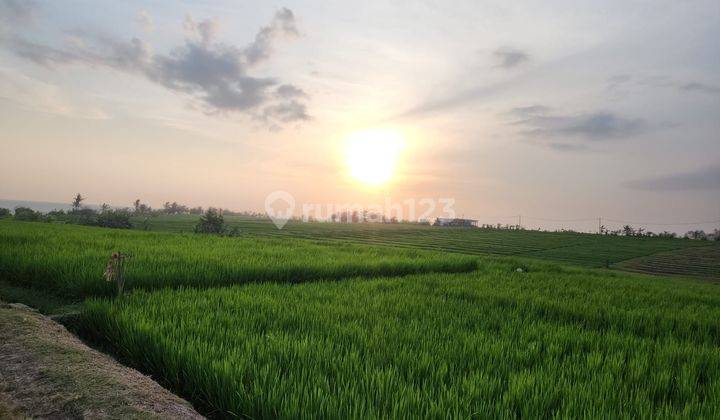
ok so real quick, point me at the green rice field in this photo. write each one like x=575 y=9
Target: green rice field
x=70 y=260
x=567 y=247
x=386 y=321
x=550 y=342
x=703 y=262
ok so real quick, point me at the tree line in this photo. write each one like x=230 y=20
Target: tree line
x=211 y=220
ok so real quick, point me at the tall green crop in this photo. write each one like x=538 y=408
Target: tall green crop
x=550 y=342
x=575 y=248
x=70 y=260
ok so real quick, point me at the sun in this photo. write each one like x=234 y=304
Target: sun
x=371 y=155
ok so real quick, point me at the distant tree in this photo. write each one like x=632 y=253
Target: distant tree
x=667 y=235
x=77 y=202
x=333 y=217
x=199 y=210
x=355 y=217
x=211 y=222
x=116 y=219
x=699 y=235
x=83 y=216
x=57 y=214
x=716 y=235
x=104 y=207
x=174 y=208
x=136 y=205
x=628 y=230
x=4 y=212
x=26 y=214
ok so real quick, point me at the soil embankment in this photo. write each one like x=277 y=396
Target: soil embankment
x=47 y=372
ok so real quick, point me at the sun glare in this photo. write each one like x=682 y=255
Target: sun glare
x=371 y=155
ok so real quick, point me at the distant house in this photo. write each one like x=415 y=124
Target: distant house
x=448 y=222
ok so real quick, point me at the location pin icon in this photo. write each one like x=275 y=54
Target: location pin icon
x=279 y=199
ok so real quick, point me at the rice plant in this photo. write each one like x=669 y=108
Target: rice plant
x=567 y=247
x=548 y=342
x=70 y=260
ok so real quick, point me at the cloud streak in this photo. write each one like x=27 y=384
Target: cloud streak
x=701 y=87
x=216 y=74
x=655 y=82
x=707 y=178
x=538 y=121
x=508 y=58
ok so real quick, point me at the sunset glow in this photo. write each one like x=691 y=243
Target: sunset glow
x=371 y=155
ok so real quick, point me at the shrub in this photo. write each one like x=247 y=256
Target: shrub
x=116 y=219
x=211 y=222
x=4 y=212
x=26 y=214
x=83 y=216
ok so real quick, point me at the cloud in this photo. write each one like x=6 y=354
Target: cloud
x=529 y=111
x=618 y=80
x=538 y=121
x=17 y=12
x=707 y=178
x=287 y=112
x=37 y=95
x=567 y=147
x=40 y=54
x=508 y=58
x=644 y=81
x=283 y=24
x=454 y=100
x=700 y=87
x=216 y=74
x=145 y=21
x=205 y=30
x=290 y=91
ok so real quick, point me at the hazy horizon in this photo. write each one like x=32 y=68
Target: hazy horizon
x=554 y=111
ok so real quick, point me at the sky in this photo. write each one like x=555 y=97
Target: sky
x=559 y=111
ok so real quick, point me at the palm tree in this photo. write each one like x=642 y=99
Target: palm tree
x=77 y=202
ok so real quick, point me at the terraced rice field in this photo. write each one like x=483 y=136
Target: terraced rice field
x=574 y=248
x=550 y=342
x=697 y=262
x=69 y=260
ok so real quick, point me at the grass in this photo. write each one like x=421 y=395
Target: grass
x=574 y=248
x=551 y=342
x=69 y=260
x=701 y=262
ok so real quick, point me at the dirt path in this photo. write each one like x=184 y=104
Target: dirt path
x=47 y=372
